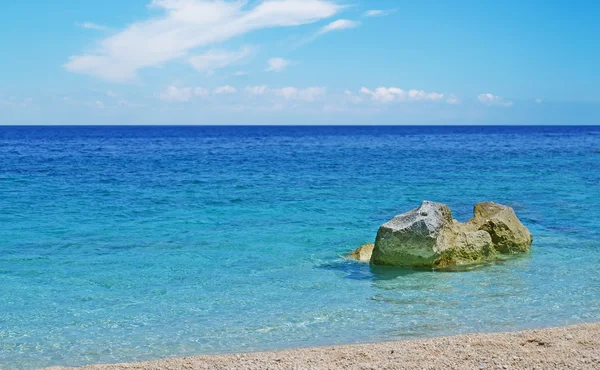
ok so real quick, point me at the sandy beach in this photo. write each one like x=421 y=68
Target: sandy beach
x=572 y=347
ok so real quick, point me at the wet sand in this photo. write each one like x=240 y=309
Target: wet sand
x=572 y=347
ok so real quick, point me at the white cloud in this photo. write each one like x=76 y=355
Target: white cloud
x=378 y=12
x=277 y=64
x=225 y=90
x=309 y=94
x=176 y=94
x=381 y=94
x=240 y=73
x=93 y=26
x=98 y=104
x=422 y=95
x=201 y=92
x=215 y=59
x=187 y=25
x=539 y=101
x=256 y=90
x=493 y=100
x=295 y=95
x=288 y=93
x=183 y=94
x=390 y=94
x=453 y=99
x=340 y=24
x=354 y=99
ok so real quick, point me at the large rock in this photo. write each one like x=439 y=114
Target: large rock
x=416 y=238
x=429 y=237
x=508 y=234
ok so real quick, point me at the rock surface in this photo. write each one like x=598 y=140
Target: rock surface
x=428 y=237
x=362 y=253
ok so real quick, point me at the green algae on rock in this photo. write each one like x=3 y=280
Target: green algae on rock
x=428 y=237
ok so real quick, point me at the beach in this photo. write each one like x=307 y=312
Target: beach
x=571 y=347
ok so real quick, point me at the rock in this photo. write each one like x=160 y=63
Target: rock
x=508 y=234
x=466 y=248
x=428 y=237
x=415 y=238
x=362 y=253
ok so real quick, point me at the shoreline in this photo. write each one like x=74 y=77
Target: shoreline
x=573 y=347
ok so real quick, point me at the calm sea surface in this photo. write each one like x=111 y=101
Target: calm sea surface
x=125 y=244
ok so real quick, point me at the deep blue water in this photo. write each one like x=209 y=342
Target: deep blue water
x=135 y=243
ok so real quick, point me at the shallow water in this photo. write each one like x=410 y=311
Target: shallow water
x=126 y=244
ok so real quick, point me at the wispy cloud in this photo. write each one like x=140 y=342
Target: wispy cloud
x=493 y=100
x=277 y=64
x=187 y=25
x=15 y=102
x=378 y=12
x=115 y=100
x=340 y=24
x=93 y=26
x=127 y=103
x=216 y=59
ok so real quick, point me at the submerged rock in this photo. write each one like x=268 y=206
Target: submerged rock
x=362 y=253
x=428 y=237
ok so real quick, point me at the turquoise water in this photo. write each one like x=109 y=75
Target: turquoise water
x=126 y=244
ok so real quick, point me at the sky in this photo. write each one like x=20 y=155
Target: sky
x=301 y=62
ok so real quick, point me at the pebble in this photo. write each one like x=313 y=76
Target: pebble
x=574 y=348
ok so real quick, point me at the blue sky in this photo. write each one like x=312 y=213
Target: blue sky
x=299 y=62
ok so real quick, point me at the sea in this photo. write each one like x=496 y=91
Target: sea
x=122 y=244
